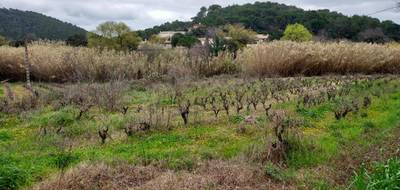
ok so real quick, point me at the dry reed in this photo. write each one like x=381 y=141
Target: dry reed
x=283 y=58
x=55 y=62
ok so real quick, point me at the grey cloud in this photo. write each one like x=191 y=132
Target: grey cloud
x=141 y=14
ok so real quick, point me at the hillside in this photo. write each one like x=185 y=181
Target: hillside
x=272 y=18
x=14 y=24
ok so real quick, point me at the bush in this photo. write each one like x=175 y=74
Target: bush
x=64 y=159
x=383 y=176
x=297 y=32
x=274 y=172
x=184 y=40
x=3 y=41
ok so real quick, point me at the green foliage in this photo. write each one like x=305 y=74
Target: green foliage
x=62 y=118
x=15 y=24
x=184 y=40
x=4 y=136
x=64 y=159
x=156 y=39
x=77 y=40
x=11 y=176
x=114 y=36
x=368 y=125
x=297 y=33
x=274 y=172
x=169 y=26
x=3 y=41
x=272 y=18
x=383 y=176
x=236 y=119
x=231 y=38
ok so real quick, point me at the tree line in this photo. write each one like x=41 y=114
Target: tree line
x=272 y=18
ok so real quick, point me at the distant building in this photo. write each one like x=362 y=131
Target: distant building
x=262 y=38
x=167 y=35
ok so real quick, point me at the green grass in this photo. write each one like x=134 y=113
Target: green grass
x=32 y=156
x=383 y=176
x=331 y=135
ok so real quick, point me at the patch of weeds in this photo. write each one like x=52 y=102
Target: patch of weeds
x=383 y=176
x=139 y=88
x=320 y=185
x=63 y=117
x=181 y=164
x=11 y=175
x=207 y=155
x=64 y=159
x=368 y=125
x=167 y=101
x=364 y=114
x=262 y=120
x=275 y=172
x=5 y=136
x=236 y=119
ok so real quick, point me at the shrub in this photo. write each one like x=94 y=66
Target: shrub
x=297 y=32
x=184 y=40
x=64 y=159
x=3 y=41
x=274 y=172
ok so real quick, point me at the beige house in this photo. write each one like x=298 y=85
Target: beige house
x=167 y=35
x=262 y=38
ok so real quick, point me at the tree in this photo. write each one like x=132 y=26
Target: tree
x=77 y=40
x=200 y=16
x=236 y=37
x=297 y=32
x=155 y=39
x=113 y=35
x=3 y=41
x=183 y=40
x=375 y=35
x=240 y=34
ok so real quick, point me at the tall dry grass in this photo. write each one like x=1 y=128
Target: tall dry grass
x=284 y=58
x=59 y=63
x=56 y=62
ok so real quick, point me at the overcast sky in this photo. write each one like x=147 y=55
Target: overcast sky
x=141 y=14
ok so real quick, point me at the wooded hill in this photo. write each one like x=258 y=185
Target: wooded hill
x=272 y=18
x=15 y=24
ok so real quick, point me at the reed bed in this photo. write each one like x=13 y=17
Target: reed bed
x=284 y=58
x=56 y=62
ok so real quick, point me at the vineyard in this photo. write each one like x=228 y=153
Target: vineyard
x=222 y=132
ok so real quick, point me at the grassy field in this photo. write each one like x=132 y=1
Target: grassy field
x=50 y=146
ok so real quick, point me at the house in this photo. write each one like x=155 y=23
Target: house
x=167 y=35
x=262 y=38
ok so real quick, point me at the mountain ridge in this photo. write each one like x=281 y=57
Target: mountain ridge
x=15 y=24
x=272 y=18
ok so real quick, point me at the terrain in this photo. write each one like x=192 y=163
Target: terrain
x=316 y=134
x=272 y=18
x=15 y=24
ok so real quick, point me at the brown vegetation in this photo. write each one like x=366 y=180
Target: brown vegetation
x=56 y=62
x=59 y=63
x=283 y=58
x=210 y=175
